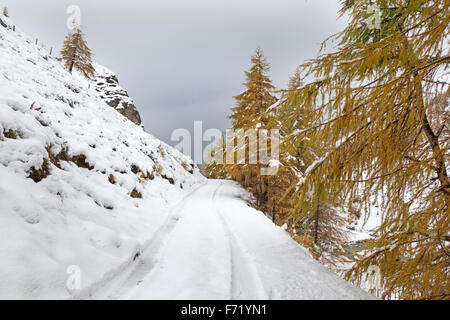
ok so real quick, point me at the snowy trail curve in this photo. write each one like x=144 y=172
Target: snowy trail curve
x=217 y=247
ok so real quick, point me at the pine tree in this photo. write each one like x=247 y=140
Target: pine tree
x=77 y=54
x=373 y=115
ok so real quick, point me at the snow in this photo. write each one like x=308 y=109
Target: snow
x=185 y=238
x=215 y=246
x=274 y=163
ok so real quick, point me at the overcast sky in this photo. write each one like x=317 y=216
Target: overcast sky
x=184 y=60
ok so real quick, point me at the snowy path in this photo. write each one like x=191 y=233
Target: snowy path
x=214 y=246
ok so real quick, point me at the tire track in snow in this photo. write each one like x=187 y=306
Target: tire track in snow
x=245 y=280
x=122 y=283
x=231 y=252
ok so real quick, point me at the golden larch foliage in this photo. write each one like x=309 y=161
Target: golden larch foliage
x=374 y=110
x=76 y=54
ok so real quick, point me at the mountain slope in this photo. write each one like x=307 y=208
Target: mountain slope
x=80 y=184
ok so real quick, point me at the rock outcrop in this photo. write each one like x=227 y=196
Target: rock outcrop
x=107 y=84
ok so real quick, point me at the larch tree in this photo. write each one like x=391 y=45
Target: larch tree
x=76 y=54
x=322 y=226
x=296 y=81
x=373 y=111
x=278 y=204
x=252 y=112
x=254 y=102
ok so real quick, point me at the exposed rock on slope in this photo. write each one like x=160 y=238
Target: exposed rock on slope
x=107 y=84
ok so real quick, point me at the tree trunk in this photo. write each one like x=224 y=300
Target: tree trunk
x=72 y=63
x=433 y=140
x=316 y=226
x=274 y=214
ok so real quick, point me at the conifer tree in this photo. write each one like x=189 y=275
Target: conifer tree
x=324 y=233
x=253 y=103
x=322 y=227
x=372 y=111
x=321 y=230
x=279 y=204
x=296 y=81
x=76 y=54
x=252 y=112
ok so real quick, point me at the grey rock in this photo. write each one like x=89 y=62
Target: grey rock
x=107 y=84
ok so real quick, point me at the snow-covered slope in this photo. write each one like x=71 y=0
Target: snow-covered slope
x=79 y=183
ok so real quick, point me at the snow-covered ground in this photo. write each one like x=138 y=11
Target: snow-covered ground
x=215 y=246
x=84 y=189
